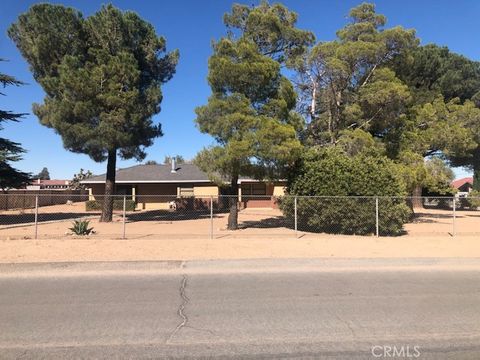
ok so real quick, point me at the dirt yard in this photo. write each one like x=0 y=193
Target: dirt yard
x=55 y=221
x=92 y=249
x=263 y=233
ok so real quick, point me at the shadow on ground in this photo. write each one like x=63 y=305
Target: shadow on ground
x=272 y=222
x=18 y=219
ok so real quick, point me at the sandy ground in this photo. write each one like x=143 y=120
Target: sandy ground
x=184 y=235
x=60 y=250
x=55 y=221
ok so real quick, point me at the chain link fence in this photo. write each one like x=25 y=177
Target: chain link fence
x=26 y=216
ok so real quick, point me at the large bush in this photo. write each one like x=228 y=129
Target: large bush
x=472 y=202
x=336 y=194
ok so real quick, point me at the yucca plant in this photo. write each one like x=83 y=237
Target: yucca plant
x=80 y=227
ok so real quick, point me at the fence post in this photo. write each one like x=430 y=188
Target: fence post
x=124 y=214
x=211 y=217
x=454 y=231
x=376 y=216
x=296 y=221
x=36 y=216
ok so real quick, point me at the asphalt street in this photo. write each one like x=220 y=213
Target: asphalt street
x=347 y=314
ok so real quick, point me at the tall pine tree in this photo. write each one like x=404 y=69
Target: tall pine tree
x=102 y=77
x=10 y=151
x=250 y=113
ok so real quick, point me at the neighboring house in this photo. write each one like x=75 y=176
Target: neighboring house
x=39 y=184
x=464 y=186
x=155 y=186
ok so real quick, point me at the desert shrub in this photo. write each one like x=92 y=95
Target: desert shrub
x=337 y=194
x=93 y=205
x=473 y=200
x=80 y=227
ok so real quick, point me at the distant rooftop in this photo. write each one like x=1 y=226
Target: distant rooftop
x=49 y=182
x=460 y=182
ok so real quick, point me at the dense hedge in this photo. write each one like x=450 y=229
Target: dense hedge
x=92 y=205
x=355 y=181
x=471 y=202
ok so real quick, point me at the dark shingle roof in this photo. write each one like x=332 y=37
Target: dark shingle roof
x=155 y=173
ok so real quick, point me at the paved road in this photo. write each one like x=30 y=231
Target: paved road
x=318 y=315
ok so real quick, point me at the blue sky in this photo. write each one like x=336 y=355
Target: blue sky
x=190 y=26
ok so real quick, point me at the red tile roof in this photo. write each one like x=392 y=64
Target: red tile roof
x=460 y=182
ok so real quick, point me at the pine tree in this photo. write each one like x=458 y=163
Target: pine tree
x=102 y=77
x=250 y=113
x=43 y=175
x=10 y=151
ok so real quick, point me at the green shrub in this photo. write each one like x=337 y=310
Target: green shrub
x=80 y=227
x=93 y=205
x=342 y=192
x=473 y=200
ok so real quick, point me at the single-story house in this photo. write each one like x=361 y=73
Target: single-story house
x=155 y=186
x=464 y=186
x=39 y=184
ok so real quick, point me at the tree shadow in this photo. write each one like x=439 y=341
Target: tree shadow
x=165 y=215
x=29 y=218
x=436 y=216
x=268 y=223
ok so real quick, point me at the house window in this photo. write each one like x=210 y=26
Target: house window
x=259 y=189
x=254 y=189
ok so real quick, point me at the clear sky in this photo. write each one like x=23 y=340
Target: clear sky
x=190 y=26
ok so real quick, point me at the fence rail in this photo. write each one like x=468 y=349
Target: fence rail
x=43 y=216
x=24 y=199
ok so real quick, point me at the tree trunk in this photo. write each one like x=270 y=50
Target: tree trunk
x=416 y=197
x=233 y=215
x=107 y=209
x=476 y=173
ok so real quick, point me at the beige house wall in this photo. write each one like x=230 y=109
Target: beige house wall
x=278 y=190
x=205 y=190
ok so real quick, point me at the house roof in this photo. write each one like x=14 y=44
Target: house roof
x=49 y=182
x=460 y=182
x=154 y=174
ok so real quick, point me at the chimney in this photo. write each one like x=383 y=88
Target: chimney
x=174 y=167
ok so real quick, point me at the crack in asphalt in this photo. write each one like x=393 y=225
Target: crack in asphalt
x=181 y=309
x=182 y=314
